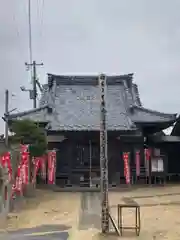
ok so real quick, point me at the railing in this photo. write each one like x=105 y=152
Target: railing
x=171 y=176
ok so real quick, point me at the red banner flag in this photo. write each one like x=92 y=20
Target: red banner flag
x=25 y=167
x=39 y=163
x=36 y=162
x=43 y=167
x=18 y=185
x=137 y=163
x=5 y=161
x=126 y=167
x=147 y=155
x=24 y=148
x=22 y=175
x=51 y=167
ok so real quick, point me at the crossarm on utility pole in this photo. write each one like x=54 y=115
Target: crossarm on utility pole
x=34 y=80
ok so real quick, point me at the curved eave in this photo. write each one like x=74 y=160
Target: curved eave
x=164 y=139
x=37 y=115
x=154 y=127
x=10 y=121
x=146 y=116
x=151 y=121
x=167 y=123
x=26 y=113
x=176 y=128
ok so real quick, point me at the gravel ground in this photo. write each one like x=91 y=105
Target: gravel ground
x=78 y=214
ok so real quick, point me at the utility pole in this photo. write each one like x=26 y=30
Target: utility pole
x=103 y=156
x=34 y=85
x=33 y=92
x=6 y=115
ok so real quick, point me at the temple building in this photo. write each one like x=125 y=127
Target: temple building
x=69 y=109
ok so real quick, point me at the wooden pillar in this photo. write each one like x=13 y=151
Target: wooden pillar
x=70 y=159
x=150 y=172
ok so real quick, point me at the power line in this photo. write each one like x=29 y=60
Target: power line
x=32 y=64
x=40 y=15
x=16 y=26
x=40 y=10
x=30 y=35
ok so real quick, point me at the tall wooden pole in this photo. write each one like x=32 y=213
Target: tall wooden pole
x=6 y=116
x=34 y=85
x=103 y=156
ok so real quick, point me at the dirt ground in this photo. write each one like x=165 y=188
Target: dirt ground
x=160 y=211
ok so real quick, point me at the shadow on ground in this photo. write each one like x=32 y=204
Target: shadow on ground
x=41 y=232
x=157 y=195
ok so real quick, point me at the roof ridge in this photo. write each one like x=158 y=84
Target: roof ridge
x=86 y=79
x=128 y=75
x=125 y=99
x=135 y=92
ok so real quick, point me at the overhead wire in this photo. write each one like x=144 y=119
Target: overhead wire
x=17 y=28
x=40 y=15
x=16 y=25
x=30 y=36
x=40 y=20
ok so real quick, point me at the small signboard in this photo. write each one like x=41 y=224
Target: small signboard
x=157 y=165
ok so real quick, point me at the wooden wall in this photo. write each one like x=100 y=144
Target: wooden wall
x=74 y=154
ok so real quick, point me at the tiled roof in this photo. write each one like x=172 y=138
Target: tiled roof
x=38 y=115
x=77 y=108
x=74 y=101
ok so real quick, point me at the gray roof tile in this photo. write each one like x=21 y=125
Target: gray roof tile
x=77 y=107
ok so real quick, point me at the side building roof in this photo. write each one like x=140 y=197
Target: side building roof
x=144 y=115
x=72 y=103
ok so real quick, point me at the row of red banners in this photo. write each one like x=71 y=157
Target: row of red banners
x=40 y=163
x=22 y=177
x=51 y=167
x=126 y=159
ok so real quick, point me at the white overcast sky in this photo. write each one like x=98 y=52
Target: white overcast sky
x=93 y=36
